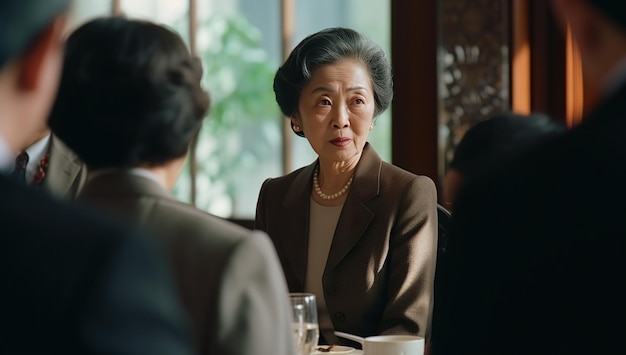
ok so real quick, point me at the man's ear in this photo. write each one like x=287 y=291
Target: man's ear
x=33 y=61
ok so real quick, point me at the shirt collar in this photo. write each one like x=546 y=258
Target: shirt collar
x=133 y=171
x=36 y=152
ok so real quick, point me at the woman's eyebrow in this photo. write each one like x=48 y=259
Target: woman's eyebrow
x=328 y=89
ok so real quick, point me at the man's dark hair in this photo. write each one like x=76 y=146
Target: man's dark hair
x=499 y=137
x=130 y=94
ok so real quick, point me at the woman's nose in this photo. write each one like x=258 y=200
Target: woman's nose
x=341 y=118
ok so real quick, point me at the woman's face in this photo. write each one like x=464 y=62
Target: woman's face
x=336 y=111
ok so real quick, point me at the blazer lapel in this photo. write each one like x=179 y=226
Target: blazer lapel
x=64 y=170
x=356 y=216
x=297 y=203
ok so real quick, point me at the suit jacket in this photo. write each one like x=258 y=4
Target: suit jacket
x=66 y=173
x=228 y=277
x=77 y=283
x=380 y=269
x=537 y=249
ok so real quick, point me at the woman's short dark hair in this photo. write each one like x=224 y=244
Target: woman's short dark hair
x=330 y=46
x=130 y=94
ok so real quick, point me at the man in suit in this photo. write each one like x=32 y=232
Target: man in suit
x=136 y=88
x=50 y=165
x=537 y=251
x=73 y=282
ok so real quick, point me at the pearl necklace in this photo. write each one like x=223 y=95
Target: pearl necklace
x=318 y=190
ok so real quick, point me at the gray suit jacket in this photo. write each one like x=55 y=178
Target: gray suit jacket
x=75 y=282
x=228 y=277
x=380 y=270
x=66 y=173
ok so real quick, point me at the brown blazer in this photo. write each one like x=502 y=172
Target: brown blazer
x=228 y=277
x=381 y=264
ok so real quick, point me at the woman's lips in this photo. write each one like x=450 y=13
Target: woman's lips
x=340 y=141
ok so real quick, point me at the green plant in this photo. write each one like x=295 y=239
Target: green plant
x=237 y=133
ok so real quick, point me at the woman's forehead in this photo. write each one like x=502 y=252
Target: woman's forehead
x=347 y=75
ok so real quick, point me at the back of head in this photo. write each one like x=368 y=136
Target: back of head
x=130 y=94
x=499 y=137
x=330 y=46
x=22 y=20
x=489 y=142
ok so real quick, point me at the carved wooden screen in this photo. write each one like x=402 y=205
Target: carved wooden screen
x=473 y=68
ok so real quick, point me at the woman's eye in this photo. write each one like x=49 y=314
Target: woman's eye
x=325 y=102
x=359 y=101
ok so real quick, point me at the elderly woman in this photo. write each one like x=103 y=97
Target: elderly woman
x=359 y=233
x=129 y=104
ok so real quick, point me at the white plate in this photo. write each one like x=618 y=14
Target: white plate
x=336 y=350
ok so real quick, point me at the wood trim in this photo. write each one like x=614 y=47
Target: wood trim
x=193 y=27
x=193 y=160
x=415 y=105
x=520 y=57
x=574 y=102
x=288 y=23
x=548 y=69
x=116 y=7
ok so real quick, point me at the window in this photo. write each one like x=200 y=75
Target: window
x=240 y=43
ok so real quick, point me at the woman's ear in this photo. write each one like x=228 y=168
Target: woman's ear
x=295 y=124
x=296 y=127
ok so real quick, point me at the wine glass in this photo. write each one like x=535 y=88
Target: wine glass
x=305 y=326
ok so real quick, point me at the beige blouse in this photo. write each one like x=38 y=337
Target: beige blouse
x=322 y=225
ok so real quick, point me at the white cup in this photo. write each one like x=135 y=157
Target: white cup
x=388 y=344
x=393 y=345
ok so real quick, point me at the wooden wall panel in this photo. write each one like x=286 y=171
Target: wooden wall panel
x=548 y=69
x=414 y=61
